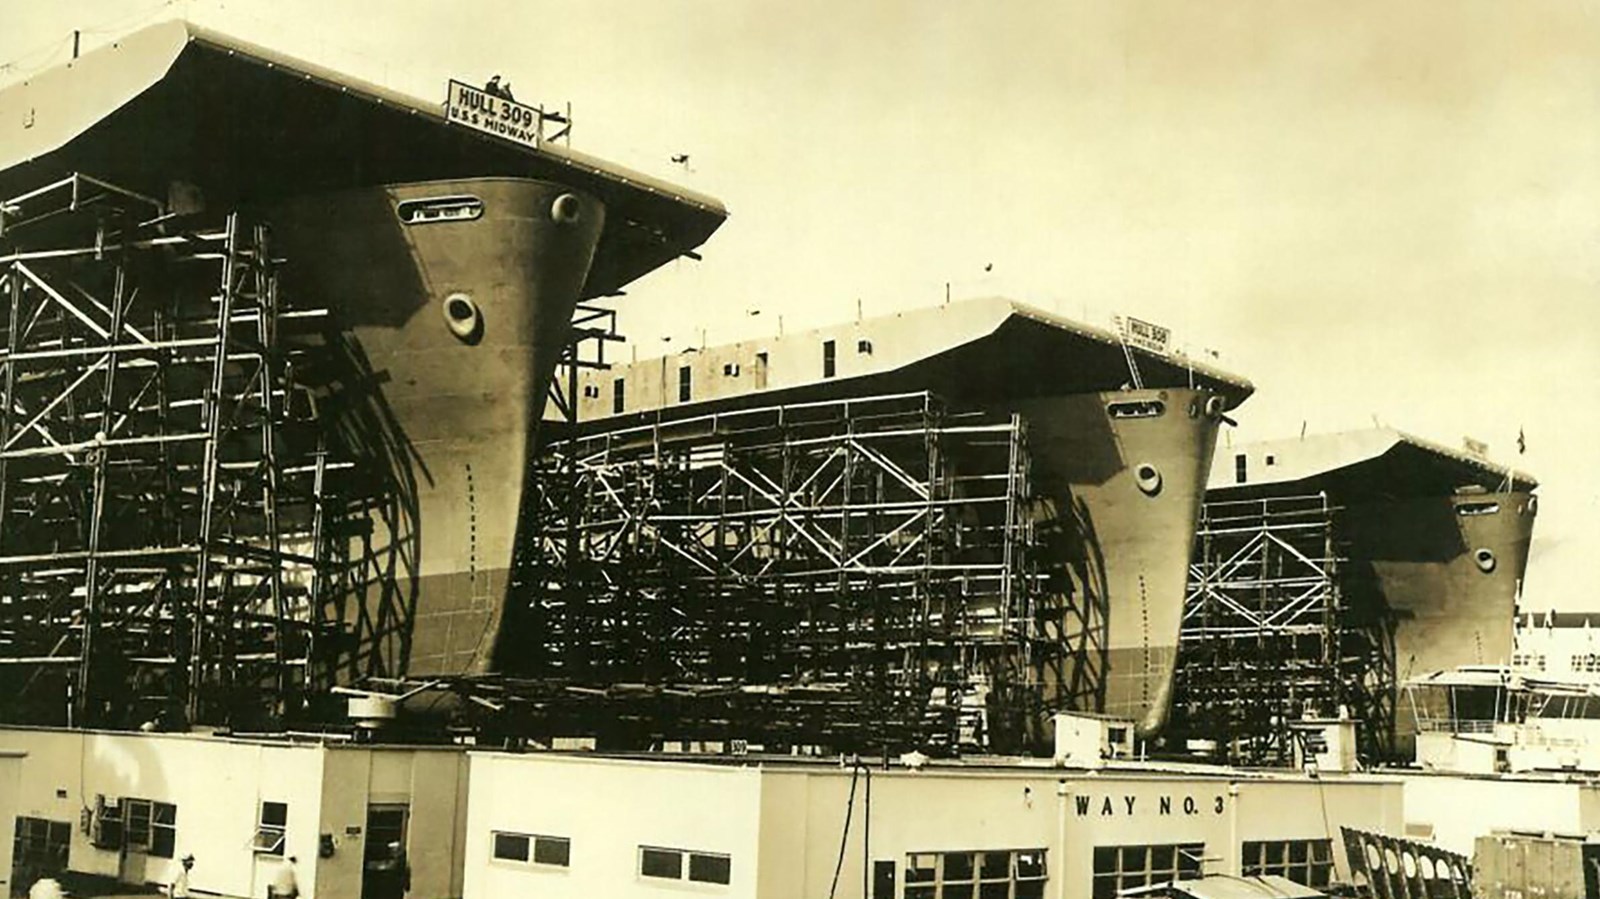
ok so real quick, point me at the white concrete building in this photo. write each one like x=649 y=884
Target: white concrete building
x=1453 y=810
x=582 y=825
x=130 y=806
x=10 y=782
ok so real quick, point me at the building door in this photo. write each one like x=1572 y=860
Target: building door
x=386 y=868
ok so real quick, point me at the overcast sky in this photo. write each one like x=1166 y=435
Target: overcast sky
x=1375 y=210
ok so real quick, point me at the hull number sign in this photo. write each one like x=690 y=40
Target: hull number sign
x=480 y=110
x=1144 y=335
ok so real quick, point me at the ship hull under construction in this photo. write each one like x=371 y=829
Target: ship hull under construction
x=1449 y=570
x=1134 y=484
x=454 y=326
x=1334 y=567
x=340 y=458
x=1086 y=614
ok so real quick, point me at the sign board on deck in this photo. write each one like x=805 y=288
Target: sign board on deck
x=1144 y=335
x=480 y=110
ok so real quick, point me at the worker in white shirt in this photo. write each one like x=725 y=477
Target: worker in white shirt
x=284 y=885
x=179 y=888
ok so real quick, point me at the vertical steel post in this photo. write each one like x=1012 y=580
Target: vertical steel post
x=213 y=408
x=8 y=399
x=266 y=309
x=102 y=452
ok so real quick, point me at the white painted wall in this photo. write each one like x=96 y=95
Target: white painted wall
x=1066 y=815
x=1461 y=809
x=10 y=785
x=608 y=809
x=433 y=782
x=782 y=823
x=218 y=785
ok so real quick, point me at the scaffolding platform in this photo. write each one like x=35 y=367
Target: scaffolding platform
x=854 y=574
x=162 y=477
x=1274 y=630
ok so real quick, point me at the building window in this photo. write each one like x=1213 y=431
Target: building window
x=136 y=823
x=617 y=395
x=1119 y=868
x=39 y=849
x=535 y=848
x=731 y=369
x=163 y=829
x=512 y=847
x=864 y=347
x=106 y=831
x=591 y=391
x=683 y=383
x=1240 y=470
x=1271 y=459
x=986 y=874
x=705 y=867
x=684 y=864
x=149 y=827
x=829 y=361
x=666 y=863
x=1306 y=862
x=272 y=826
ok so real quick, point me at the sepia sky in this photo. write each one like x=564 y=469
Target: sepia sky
x=1377 y=211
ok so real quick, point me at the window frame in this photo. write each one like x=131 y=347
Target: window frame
x=132 y=810
x=40 y=846
x=830 y=358
x=264 y=828
x=926 y=874
x=534 y=841
x=1316 y=861
x=1186 y=860
x=685 y=383
x=106 y=830
x=686 y=864
x=163 y=834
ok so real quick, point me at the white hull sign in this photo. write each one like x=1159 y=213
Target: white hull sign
x=1144 y=335
x=480 y=110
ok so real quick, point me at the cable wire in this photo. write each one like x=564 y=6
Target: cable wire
x=844 y=836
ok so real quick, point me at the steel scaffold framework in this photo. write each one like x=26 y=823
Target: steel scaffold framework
x=1270 y=633
x=853 y=574
x=161 y=475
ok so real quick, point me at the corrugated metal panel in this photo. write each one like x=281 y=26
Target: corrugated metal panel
x=1516 y=866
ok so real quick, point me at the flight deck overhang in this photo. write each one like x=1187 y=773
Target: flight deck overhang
x=1355 y=464
x=971 y=351
x=245 y=124
x=1010 y=347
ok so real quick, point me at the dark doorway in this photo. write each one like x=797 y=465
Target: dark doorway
x=386 y=870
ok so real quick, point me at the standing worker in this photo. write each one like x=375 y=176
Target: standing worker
x=179 y=888
x=284 y=885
